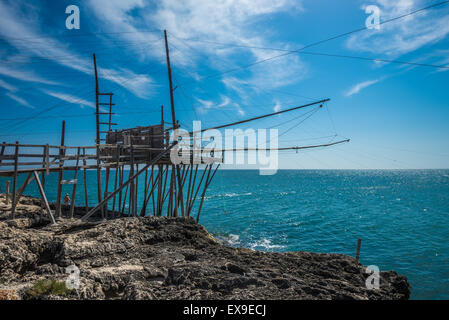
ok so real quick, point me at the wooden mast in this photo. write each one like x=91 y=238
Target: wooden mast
x=97 y=139
x=175 y=124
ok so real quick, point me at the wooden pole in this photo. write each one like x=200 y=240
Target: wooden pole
x=132 y=185
x=14 y=182
x=61 y=171
x=44 y=198
x=116 y=178
x=152 y=162
x=86 y=200
x=2 y=151
x=175 y=125
x=97 y=140
x=206 y=184
x=21 y=190
x=136 y=192
x=72 y=204
x=357 y=254
x=7 y=192
x=106 y=187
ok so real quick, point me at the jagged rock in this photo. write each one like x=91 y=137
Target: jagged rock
x=172 y=258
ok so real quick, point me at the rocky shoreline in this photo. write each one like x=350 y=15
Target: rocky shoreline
x=168 y=258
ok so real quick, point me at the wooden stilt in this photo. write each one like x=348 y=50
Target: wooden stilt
x=136 y=192
x=44 y=198
x=159 y=190
x=20 y=192
x=357 y=254
x=61 y=172
x=7 y=192
x=72 y=204
x=116 y=178
x=202 y=195
x=106 y=187
x=130 y=179
x=97 y=138
x=86 y=200
x=14 y=182
x=198 y=189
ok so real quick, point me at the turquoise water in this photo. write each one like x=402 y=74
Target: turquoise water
x=402 y=217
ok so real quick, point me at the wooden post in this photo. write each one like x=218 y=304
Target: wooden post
x=45 y=165
x=136 y=192
x=7 y=192
x=72 y=205
x=203 y=194
x=14 y=183
x=44 y=198
x=61 y=172
x=357 y=255
x=21 y=189
x=159 y=190
x=2 y=151
x=86 y=201
x=130 y=179
x=131 y=189
x=117 y=159
x=97 y=140
x=106 y=191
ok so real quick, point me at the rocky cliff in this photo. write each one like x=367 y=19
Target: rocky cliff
x=170 y=258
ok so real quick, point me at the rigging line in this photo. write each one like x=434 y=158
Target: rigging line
x=82 y=115
x=180 y=86
x=330 y=117
x=300 y=122
x=323 y=41
x=263 y=116
x=328 y=54
x=376 y=60
x=305 y=139
x=266 y=91
x=24 y=58
x=14 y=126
x=295 y=118
x=285 y=148
x=185 y=95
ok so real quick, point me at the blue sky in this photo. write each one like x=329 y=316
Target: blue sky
x=396 y=115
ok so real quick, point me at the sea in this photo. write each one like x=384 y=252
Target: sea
x=402 y=216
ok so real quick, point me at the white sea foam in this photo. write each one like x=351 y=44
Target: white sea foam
x=265 y=244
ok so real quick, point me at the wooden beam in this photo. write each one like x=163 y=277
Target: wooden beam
x=151 y=163
x=44 y=198
x=61 y=173
x=72 y=204
x=14 y=183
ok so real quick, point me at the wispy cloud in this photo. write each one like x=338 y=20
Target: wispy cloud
x=11 y=18
x=70 y=99
x=208 y=104
x=360 y=86
x=21 y=101
x=7 y=86
x=227 y=21
x=405 y=35
x=24 y=75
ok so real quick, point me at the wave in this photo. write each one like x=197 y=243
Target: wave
x=233 y=240
x=228 y=195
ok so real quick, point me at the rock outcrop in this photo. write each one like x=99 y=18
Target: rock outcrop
x=171 y=258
